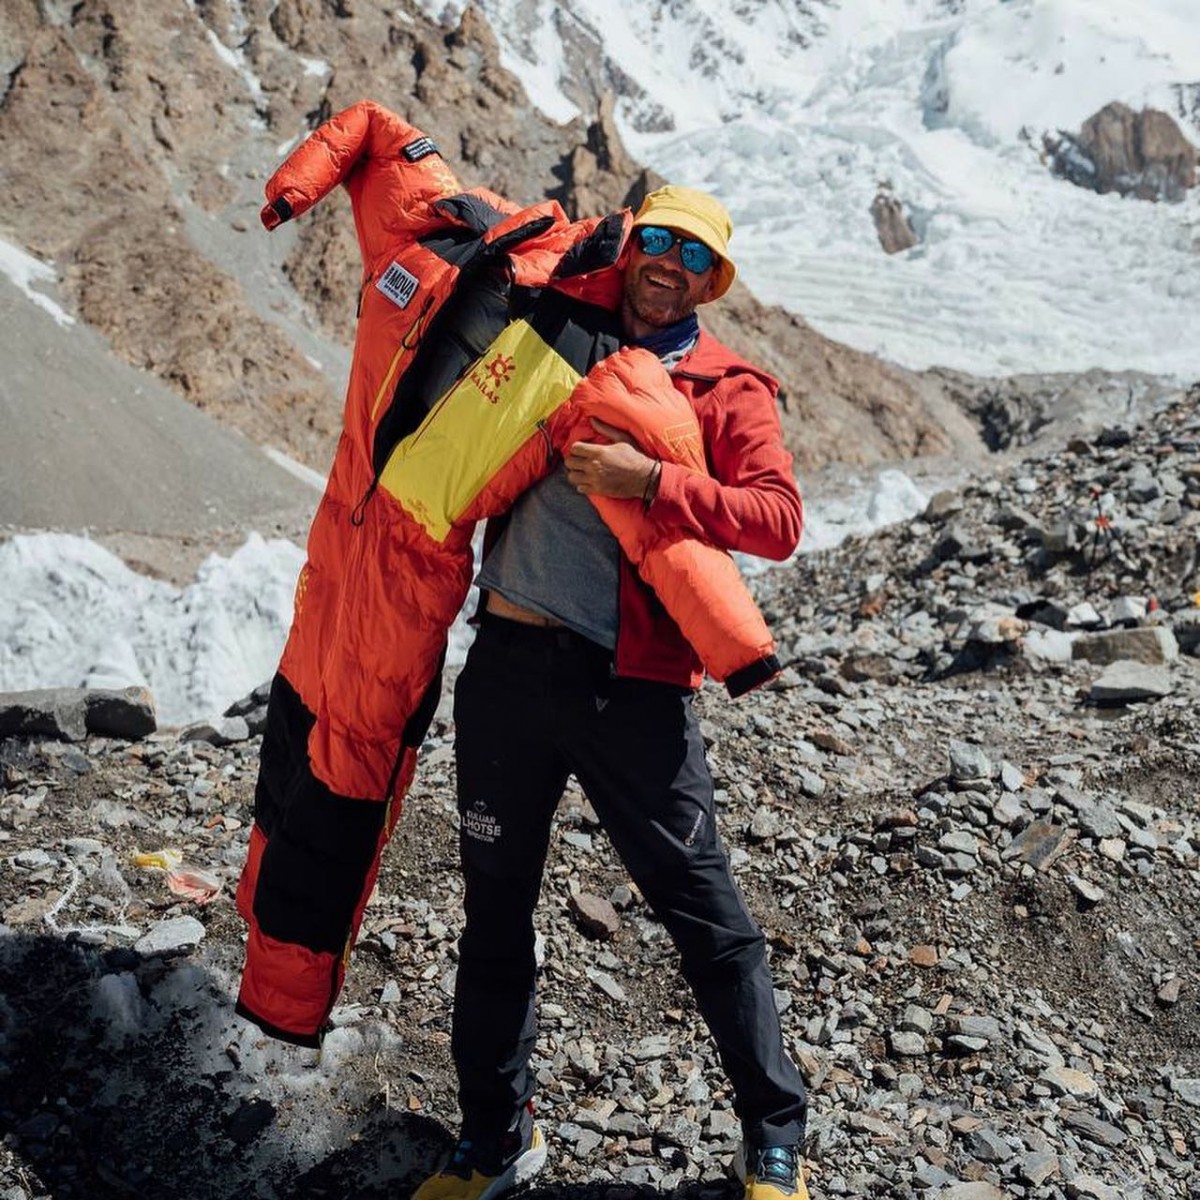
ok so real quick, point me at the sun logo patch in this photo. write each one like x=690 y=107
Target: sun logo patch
x=501 y=369
x=494 y=376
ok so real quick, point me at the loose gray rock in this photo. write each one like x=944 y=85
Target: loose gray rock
x=987 y=1146
x=1155 y=645
x=32 y=860
x=1089 y=1187
x=917 y=1020
x=906 y=1045
x=1039 y=844
x=44 y=712
x=811 y=784
x=962 y=1043
x=1087 y=891
x=959 y=841
x=127 y=714
x=1047 y=645
x=987 y=1028
x=247 y=704
x=594 y=915
x=178 y=935
x=1012 y=777
x=968 y=762
x=676 y=1130
x=1084 y=616
x=1037 y=1167
x=765 y=823
x=942 y=505
x=608 y=985
x=1065 y=1081
x=1126 y=682
x=1095 y=1130
x=980 y=1190
x=1098 y=820
x=223 y=731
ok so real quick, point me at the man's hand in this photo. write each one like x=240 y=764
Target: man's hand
x=619 y=470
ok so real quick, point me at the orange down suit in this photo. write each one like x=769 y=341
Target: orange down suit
x=438 y=433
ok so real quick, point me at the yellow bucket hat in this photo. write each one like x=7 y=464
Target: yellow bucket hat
x=703 y=216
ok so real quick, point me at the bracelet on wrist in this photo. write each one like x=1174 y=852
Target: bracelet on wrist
x=651 y=489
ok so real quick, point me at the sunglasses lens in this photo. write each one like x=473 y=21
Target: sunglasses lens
x=655 y=240
x=696 y=257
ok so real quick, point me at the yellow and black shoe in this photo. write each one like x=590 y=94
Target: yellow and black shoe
x=773 y=1173
x=478 y=1171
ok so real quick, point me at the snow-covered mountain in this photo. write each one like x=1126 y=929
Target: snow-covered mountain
x=794 y=111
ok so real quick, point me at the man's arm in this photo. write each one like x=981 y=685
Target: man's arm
x=750 y=503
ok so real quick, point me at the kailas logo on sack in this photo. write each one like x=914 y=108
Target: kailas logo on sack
x=398 y=285
x=491 y=377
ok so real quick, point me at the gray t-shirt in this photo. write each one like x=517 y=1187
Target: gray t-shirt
x=557 y=557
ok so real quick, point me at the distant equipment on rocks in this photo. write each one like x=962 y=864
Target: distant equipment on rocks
x=1140 y=154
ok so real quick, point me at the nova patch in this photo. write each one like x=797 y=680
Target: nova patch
x=398 y=285
x=423 y=147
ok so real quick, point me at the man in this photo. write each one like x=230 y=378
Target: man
x=578 y=670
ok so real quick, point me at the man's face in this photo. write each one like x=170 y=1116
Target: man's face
x=659 y=290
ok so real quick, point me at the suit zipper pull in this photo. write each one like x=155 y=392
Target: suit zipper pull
x=360 y=509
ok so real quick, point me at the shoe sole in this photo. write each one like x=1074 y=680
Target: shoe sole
x=523 y=1168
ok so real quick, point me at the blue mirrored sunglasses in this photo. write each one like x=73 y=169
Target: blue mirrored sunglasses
x=695 y=256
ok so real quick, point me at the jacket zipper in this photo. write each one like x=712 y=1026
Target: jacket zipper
x=416 y=331
x=359 y=515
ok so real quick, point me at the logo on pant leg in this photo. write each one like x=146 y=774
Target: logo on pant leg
x=479 y=823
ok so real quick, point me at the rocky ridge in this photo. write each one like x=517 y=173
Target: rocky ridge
x=978 y=874
x=136 y=140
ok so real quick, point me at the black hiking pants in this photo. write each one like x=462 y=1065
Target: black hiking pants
x=527 y=715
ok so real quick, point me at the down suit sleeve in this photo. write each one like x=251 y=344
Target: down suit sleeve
x=750 y=502
x=697 y=582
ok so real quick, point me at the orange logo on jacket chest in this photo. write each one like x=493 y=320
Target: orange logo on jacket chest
x=493 y=377
x=684 y=440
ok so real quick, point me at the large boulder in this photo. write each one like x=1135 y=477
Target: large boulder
x=1141 y=154
x=70 y=714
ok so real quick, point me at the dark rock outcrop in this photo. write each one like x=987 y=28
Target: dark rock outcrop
x=891 y=223
x=1140 y=154
x=134 y=146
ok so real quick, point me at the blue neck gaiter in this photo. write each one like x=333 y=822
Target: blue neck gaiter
x=674 y=337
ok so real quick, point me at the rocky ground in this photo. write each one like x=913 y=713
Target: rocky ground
x=967 y=816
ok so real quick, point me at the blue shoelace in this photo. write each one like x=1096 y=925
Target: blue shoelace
x=467 y=1157
x=777 y=1164
x=460 y=1161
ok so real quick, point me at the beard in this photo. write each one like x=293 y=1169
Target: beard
x=657 y=306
